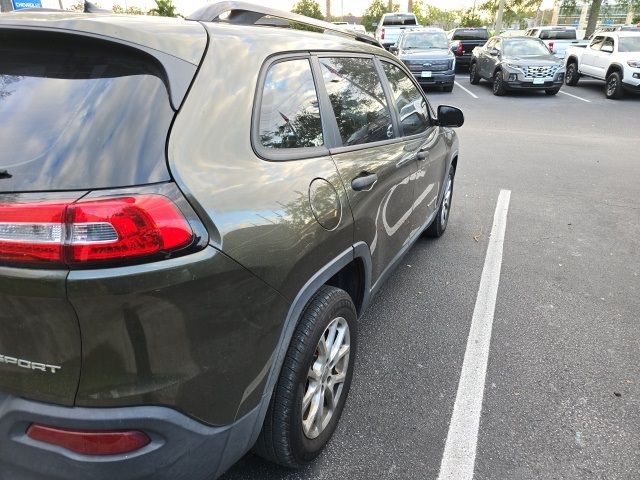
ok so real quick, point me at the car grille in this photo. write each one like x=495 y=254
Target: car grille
x=429 y=65
x=540 y=72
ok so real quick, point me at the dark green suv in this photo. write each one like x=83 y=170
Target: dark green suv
x=193 y=214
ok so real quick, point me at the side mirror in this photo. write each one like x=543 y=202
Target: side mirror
x=494 y=52
x=393 y=49
x=450 y=116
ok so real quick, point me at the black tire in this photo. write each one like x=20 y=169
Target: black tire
x=447 y=88
x=474 y=78
x=572 y=75
x=552 y=91
x=439 y=224
x=499 y=88
x=613 y=87
x=283 y=439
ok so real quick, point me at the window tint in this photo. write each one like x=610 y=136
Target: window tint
x=358 y=100
x=399 y=20
x=289 y=114
x=597 y=43
x=608 y=42
x=558 y=35
x=411 y=105
x=470 y=34
x=629 y=44
x=79 y=115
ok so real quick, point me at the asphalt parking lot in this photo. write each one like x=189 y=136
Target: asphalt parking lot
x=562 y=388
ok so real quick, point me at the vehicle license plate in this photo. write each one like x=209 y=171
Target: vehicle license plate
x=538 y=81
x=426 y=74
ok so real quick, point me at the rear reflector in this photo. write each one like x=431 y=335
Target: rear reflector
x=90 y=442
x=91 y=230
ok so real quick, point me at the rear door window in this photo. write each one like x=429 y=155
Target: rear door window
x=399 y=20
x=79 y=114
x=289 y=113
x=558 y=35
x=358 y=100
x=409 y=102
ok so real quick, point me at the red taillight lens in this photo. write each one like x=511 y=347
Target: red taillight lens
x=91 y=230
x=551 y=47
x=382 y=34
x=460 y=49
x=88 y=442
x=125 y=227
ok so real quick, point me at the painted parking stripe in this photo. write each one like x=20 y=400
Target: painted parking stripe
x=575 y=96
x=468 y=91
x=459 y=455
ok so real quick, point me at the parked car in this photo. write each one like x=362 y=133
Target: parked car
x=463 y=40
x=426 y=53
x=613 y=57
x=557 y=39
x=390 y=26
x=517 y=63
x=616 y=28
x=185 y=249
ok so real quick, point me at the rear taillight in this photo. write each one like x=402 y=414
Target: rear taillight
x=551 y=47
x=382 y=34
x=89 y=442
x=91 y=230
x=460 y=49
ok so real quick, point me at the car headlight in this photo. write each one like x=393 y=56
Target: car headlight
x=634 y=63
x=515 y=67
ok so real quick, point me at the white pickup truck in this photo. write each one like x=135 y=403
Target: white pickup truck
x=557 y=39
x=391 y=24
x=613 y=57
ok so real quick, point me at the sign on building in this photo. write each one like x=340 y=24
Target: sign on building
x=19 y=4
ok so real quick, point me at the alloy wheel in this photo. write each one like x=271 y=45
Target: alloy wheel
x=446 y=202
x=326 y=377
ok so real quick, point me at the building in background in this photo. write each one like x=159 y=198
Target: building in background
x=578 y=14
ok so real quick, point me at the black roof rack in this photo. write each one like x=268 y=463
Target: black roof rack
x=244 y=13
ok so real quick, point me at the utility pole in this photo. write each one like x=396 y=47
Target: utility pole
x=498 y=25
x=328 y=4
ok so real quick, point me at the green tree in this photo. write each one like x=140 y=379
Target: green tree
x=164 y=8
x=469 y=19
x=515 y=11
x=429 y=15
x=308 y=8
x=129 y=11
x=374 y=12
x=594 y=11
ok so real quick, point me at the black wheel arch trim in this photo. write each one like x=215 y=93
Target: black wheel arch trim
x=615 y=67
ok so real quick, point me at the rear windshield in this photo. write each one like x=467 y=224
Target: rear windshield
x=558 y=35
x=400 y=20
x=79 y=114
x=470 y=34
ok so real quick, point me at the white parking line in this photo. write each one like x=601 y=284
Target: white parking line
x=468 y=91
x=459 y=455
x=575 y=96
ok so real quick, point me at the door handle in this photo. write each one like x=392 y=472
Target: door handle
x=364 y=181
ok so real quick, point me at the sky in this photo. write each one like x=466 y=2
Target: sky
x=338 y=7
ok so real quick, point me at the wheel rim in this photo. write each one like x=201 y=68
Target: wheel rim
x=612 y=85
x=570 y=72
x=326 y=377
x=497 y=83
x=472 y=72
x=446 y=202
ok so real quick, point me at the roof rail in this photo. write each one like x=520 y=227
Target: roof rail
x=244 y=13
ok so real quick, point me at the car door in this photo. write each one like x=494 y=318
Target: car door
x=483 y=56
x=492 y=59
x=602 y=58
x=421 y=137
x=376 y=169
x=588 y=57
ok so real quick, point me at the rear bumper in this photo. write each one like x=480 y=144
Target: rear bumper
x=180 y=448
x=464 y=60
x=437 y=78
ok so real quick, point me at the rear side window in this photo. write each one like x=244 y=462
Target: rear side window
x=409 y=102
x=558 y=35
x=470 y=34
x=289 y=114
x=358 y=100
x=79 y=114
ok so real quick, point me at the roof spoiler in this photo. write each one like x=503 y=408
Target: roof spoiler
x=244 y=13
